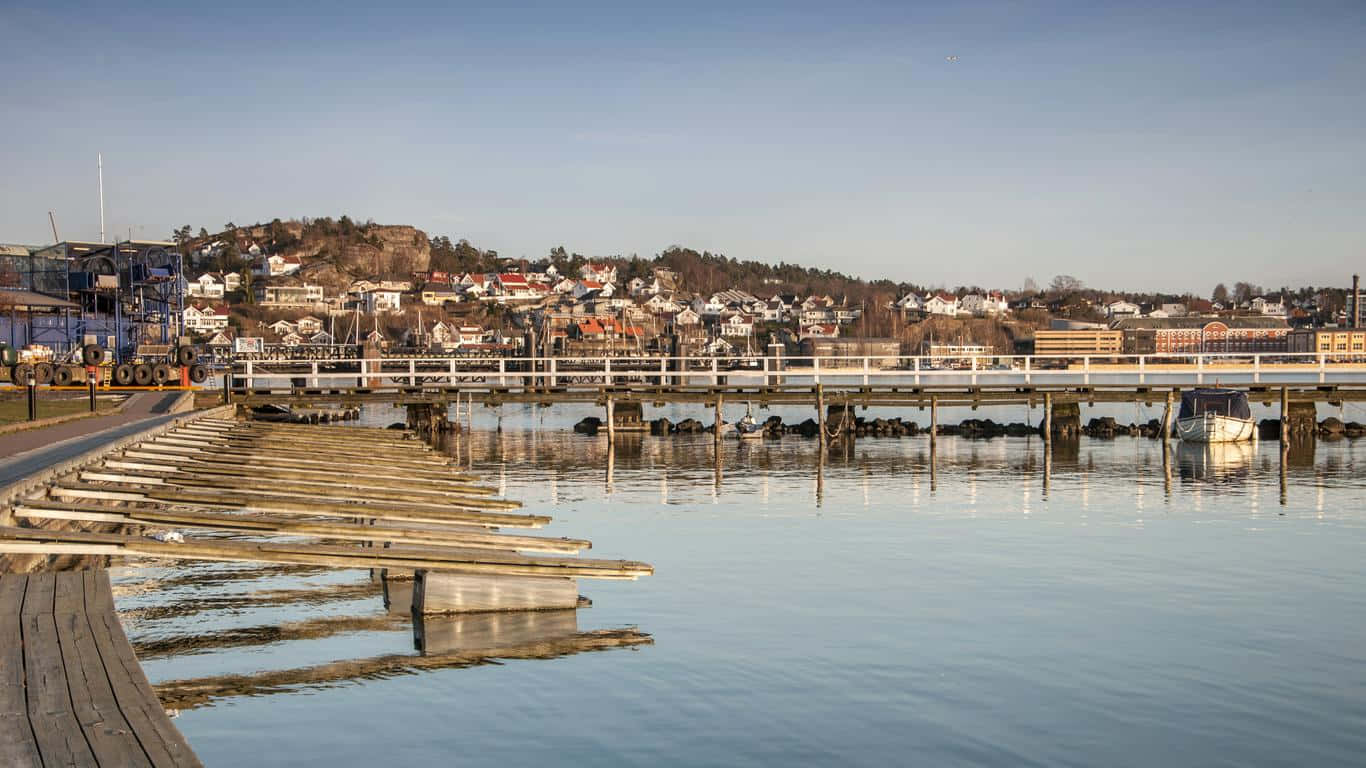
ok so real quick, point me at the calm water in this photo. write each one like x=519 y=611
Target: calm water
x=873 y=612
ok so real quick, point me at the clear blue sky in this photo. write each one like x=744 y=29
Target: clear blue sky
x=1151 y=146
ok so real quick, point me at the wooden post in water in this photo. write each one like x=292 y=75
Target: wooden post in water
x=611 y=422
x=1047 y=419
x=1285 y=414
x=820 y=415
x=1167 y=419
x=934 y=419
x=716 y=431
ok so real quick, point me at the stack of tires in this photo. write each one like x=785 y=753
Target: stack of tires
x=156 y=374
x=47 y=373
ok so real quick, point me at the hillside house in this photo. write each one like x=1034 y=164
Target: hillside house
x=381 y=301
x=439 y=295
x=205 y=319
x=300 y=296
x=736 y=324
x=941 y=304
x=282 y=327
x=1121 y=309
x=983 y=304
x=276 y=265
x=205 y=286
x=818 y=331
x=309 y=325
x=601 y=273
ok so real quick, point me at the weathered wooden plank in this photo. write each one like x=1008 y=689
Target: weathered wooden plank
x=17 y=745
x=249 y=458
x=99 y=512
x=373 y=474
x=462 y=561
x=340 y=486
x=162 y=743
x=273 y=525
x=266 y=501
x=92 y=697
x=60 y=738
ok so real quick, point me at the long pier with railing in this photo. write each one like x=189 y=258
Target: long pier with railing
x=866 y=379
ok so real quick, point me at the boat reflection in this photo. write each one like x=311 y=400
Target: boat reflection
x=1215 y=462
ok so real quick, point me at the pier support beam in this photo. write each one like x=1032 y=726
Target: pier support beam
x=716 y=430
x=820 y=416
x=611 y=421
x=447 y=592
x=934 y=419
x=1167 y=417
x=1047 y=418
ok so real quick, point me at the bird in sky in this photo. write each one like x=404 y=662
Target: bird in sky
x=950 y=59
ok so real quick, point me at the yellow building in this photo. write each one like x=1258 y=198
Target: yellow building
x=1346 y=342
x=1078 y=342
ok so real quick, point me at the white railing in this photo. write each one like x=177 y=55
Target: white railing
x=850 y=371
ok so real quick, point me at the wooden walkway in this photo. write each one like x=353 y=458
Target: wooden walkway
x=71 y=690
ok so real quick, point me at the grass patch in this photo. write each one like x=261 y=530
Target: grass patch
x=15 y=410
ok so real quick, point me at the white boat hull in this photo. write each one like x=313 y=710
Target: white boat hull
x=1213 y=428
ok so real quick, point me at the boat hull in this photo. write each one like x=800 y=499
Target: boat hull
x=1214 y=428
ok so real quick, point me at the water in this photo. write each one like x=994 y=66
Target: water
x=873 y=612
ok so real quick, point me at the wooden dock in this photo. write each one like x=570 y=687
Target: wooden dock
x=345 y=497
x=71 y=690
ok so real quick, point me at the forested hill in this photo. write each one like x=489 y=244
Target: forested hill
x=337 y=250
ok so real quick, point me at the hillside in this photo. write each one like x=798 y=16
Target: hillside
x=333 y=252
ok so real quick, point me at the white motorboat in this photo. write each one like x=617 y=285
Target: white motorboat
x=1215 y=416
x=748 y=428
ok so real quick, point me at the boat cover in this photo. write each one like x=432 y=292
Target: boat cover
x=1224 y=402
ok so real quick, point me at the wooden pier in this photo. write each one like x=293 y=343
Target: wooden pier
x=71 y=690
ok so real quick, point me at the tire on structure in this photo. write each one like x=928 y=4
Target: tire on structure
x=42 y=373
x=92 y=354
x=123 y=375
x=185 y=356
x=162 y=373
x=8 y=355
x=198 y=373
x=142 y=374
x=63 y=376
x=18 y=373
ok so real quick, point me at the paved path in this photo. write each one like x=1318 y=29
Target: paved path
x=26 y=452
x=72 y=692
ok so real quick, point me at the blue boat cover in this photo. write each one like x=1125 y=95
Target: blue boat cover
x=1225 y=402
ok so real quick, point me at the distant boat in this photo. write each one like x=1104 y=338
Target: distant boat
x=1214 y=416
x=748 y=428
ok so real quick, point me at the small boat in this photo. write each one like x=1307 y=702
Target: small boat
x=748 y=428
x=1214 y=416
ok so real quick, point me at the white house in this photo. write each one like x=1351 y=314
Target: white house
x=303 y=296
x=309 y=325
x=941 y=304
x=687 y=316
x=736 y=324
x=206 y=286
x=321 y=337
x=206 y=319
x=819 y=331
x=275 y=265
x=990 y=303
x=232 y=281
x=516 y=287
x=380 y=301
x=585 y=287
x=709 y=307
x=602 y=273
x=282 y=327
x=1121 y=309
x=911 y=302
x=1264 y=306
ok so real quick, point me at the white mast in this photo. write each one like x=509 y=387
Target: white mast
x=99 y=166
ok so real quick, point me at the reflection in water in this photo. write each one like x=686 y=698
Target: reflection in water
x=757 y=672
x=1214 y=462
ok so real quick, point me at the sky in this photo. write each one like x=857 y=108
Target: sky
x=1137 y=146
